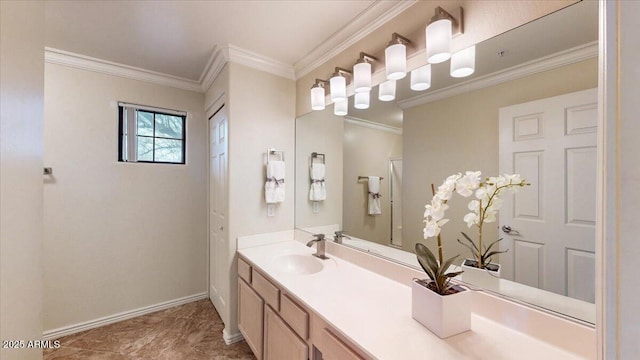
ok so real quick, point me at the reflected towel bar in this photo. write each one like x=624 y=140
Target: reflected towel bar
x=315 y=155
x=367 y=178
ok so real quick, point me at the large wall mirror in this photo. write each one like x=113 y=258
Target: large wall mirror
x=529 y=108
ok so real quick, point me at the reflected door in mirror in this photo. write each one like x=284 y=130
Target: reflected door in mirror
x=552 y=143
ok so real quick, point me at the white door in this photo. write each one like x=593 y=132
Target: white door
x=395 y=174
x=218 y=248
x=552 y=143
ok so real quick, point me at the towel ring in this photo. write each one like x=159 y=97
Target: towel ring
x=271 y=151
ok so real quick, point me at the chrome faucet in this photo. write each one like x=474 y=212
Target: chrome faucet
x=339 y=235
x=319 y=238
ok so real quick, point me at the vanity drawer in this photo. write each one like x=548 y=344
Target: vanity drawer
x=334 y=349
x=295 y=316
x=244 y=270
x=266 y=289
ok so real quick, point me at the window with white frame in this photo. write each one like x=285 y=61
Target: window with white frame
x=151 y=135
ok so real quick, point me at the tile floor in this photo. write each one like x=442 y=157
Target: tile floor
x=192 y=332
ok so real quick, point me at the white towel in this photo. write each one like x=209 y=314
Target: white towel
x=318 y=191
x=276 y=170
x=317 y=171
x=374 y=195
x=274 y=186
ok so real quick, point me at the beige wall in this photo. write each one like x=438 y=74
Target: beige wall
x=118 y=236
x=321 y=132
x=367 y=152
x=261 y=110
x=461 y=133
x=21 y=108
x=483 y=20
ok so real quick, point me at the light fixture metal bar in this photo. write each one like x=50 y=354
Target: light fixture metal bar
x=456 y=17
x=342 y=72
x=364 y=57
x=399 y=39
x=320 y=83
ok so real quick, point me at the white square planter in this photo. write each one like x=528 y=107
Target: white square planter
x=484 y=278
x=444 y=315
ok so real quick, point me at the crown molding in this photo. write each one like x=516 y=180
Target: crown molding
x=231 y=53
x=372 y=125
x=546 y=63
x=254 y=60
x=83 y=62
x=219 y=57
x=376 y=15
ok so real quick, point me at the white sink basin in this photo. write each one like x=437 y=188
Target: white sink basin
x=297 y=264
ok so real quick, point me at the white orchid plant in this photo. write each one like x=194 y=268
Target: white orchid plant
x=483 y=209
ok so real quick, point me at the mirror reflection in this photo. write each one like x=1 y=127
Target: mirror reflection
x=530 y=108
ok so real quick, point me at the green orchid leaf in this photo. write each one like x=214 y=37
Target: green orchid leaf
x=448 y=263
x=453 y=274
x=494 y=253
x=468 y=247
x=472 y=242
x=491 y=245
x=427 y=261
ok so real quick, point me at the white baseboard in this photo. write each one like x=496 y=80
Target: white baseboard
x=92 y=324
x=231 y=338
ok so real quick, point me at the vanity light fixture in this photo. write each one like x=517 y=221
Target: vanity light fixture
x=387 y=90
x=361 y=100
x=318 y=94
x=341 y=108
x=395 y=57
x=421 y=78
x=362 y=73
x=439 y=32
x=338 y=84
x=463 y=62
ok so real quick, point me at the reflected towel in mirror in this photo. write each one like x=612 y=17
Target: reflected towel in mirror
x=318 y=191
x=374 y=195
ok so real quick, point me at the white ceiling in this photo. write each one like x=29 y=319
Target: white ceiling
x=178 y=37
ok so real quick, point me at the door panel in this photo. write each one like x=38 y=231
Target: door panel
x=552 y=143
x=218 y=248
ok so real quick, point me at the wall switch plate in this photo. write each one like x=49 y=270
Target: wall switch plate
x=271 y=210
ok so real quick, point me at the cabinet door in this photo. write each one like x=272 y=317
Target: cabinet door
x=334 y=349
x=250 y=315
x=280 y=342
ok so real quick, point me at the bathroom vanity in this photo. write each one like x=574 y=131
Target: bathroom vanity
x=276 y=326
x=295 y=306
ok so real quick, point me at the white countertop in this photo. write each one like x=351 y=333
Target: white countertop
x=374 y=313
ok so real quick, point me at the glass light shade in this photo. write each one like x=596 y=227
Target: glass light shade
x=421 y=78
x=338 y=87
x=438 y=35
x=361 y=100
x=341 y=108
x=317 y=98
x=395 y=58
x=362 y=77
x=387 y=90
x=463 y=63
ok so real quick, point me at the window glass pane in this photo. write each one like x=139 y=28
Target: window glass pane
x=168 y=150
x=168 y=126
x=145 y=148
x=145 y=123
